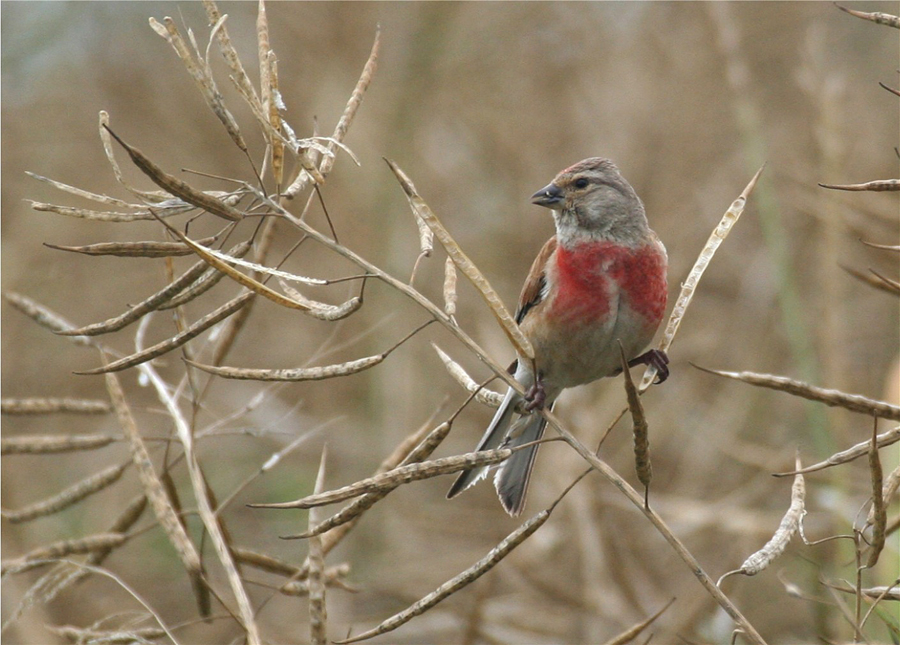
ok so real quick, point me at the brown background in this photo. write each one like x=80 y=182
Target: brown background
x=481 y=104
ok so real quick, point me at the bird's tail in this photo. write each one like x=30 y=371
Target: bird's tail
x=511 y=481
x=493 y=438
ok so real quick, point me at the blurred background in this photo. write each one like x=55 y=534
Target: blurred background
x=481 y=104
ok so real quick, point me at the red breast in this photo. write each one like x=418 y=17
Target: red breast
x=584 y=272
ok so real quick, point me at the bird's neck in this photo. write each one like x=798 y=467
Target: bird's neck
x=570 y=233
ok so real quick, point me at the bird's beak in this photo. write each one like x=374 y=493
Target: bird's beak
x=550 y=196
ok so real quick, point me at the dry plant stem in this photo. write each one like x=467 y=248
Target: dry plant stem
x=78 y=192
x=209 y=278
x=108 y=216
x=879 y=511
x=179 y=188
x=176 y=341
x=630 y=634
x=318 y=632
x=153 y=487
x=198 y=68
x=305 y=373
x=638 y=500
x=53 y=406
x=204 y=506
x=255 y=286
x=345 y=121
x=236 y=324
x=852 y=402
x=79 y=635
x=854 y=452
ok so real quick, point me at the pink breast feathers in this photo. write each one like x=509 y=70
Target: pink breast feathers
x=584 y=273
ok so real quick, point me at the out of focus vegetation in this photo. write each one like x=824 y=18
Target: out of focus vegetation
x=481 y=104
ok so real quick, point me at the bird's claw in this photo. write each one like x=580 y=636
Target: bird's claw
x=654 y=358
x=535 y=397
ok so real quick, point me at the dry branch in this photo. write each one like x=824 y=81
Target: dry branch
x=482 y=395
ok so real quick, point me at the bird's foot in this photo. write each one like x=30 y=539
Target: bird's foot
x=535 y=397
x=655 y=358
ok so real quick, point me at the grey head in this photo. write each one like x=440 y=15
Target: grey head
x=591 y=200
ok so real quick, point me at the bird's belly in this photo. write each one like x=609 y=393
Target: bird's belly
x=580 y=349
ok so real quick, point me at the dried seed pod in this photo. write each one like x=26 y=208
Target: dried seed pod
x=293 y=374
x=179 y=188
x=321 y=310
x=449 y=287
x=45 y=444
x=779 y=541
x=176 y=341
x=852 y=402
x=483 y=395
x=398 y=476
x=640 y=430
x=854 y=452
x=134 y=249
x=879 y=511
x=69 y=496
x=53 y=406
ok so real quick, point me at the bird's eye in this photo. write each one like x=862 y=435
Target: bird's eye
x=581 y=182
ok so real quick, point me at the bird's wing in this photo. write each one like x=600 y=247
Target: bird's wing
x=534 y=287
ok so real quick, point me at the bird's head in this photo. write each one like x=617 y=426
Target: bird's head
x=592 y=199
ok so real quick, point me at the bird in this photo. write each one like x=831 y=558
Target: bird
x=598 y=283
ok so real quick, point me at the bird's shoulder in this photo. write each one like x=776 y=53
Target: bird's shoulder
x=533 y=291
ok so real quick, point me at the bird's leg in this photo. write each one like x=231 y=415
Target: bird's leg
x=655 y=358
x=535 y=397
